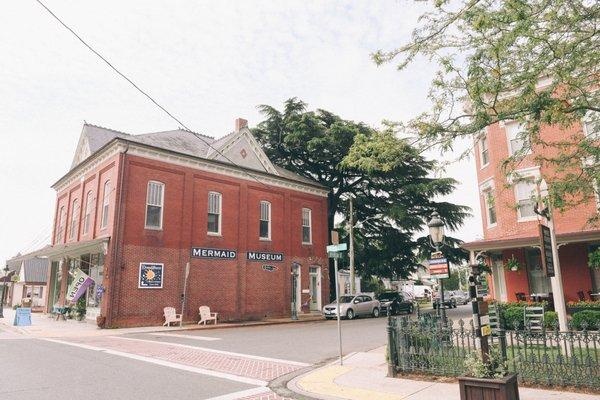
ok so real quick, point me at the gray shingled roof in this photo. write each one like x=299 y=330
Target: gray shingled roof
x=178 y=140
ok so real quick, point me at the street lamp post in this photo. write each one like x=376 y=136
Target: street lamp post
x=3 y=291
x=294 y=299
x=436 y=234
x=556 y=280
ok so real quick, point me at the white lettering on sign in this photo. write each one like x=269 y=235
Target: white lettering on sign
x=260 y=256
x=201 y=252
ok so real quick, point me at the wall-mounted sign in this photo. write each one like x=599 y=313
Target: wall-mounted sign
x=261 y=256
x=547 y=256
x=438 y=266
x=224 y=254
x=269 y=268
x=151 y=276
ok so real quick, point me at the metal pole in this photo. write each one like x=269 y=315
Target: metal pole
x=437 y=248
x=183 y=297
x=294 y=291
x=556 y=281
x=337 y=302
x=2 y=299
x=351 y=253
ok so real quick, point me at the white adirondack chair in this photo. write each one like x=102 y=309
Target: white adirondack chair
x=206 y=315
x=171 y=316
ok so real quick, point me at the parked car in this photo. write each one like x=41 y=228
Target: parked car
x=352 y=306
x=461 y=297
x=449 y=300
x=394 y=303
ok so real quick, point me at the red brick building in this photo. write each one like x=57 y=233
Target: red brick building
x=510 y=226
x=135 y=209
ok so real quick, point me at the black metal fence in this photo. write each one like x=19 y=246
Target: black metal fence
x=550 y=357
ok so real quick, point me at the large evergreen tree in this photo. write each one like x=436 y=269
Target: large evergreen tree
x=391 y=183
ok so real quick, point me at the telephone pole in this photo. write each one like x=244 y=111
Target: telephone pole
x=351 y=252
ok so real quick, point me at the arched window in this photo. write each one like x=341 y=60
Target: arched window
x=60 y=227
x=154 y=205
x=74 y=219
x=105 y=204
x=88 y=212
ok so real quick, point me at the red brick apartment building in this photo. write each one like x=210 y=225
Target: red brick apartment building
x=134 y=209
x=510 y=226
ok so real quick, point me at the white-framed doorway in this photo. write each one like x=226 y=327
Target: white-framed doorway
x=297 y=271
x=499 y=280
x=314 y=287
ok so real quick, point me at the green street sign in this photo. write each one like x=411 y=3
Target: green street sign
x=333 y=248
x=334 y=254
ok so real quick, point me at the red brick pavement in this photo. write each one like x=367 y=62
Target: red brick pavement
x=265 y=396
x=265 y=370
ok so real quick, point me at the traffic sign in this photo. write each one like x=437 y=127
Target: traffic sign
x=337 y=247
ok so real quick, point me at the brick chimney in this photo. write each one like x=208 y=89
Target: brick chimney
x=240 y=123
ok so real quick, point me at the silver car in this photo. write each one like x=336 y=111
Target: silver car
x=353 y=306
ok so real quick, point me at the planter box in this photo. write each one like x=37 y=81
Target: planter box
x=489 y=389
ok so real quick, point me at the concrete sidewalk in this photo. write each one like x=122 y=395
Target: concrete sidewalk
x=45 y=326
x=364 y=376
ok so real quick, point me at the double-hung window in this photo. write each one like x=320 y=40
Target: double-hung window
x=74 y=219
x=306 y=226
x=88 y=212
x=591 y=125
x=265 y=221
x=105 y=204
x=214 y=213
x=525 y=191
x=516 y=134
x=60 y=229
x=154 y=205
x=484 y=151
x=490 y=206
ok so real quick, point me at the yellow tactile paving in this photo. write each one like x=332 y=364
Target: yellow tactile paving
x=322 y=381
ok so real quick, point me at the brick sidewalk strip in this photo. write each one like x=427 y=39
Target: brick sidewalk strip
x=265 y=396
x=235 y=365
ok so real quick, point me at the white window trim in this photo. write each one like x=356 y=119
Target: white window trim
x=105 y=205
x=589 y=135
x=74 y=223
x=309 y=225
x=510 y=153
x=483 y=136
x=484 y=187
x=532 y=172
x=219 y=233
x=162 y=206
x=267 y=238
x=87 y=216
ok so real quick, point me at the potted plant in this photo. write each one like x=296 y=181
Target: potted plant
x=512 y=264
x=488 y=379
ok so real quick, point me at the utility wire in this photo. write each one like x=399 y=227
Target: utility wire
x=145 y=93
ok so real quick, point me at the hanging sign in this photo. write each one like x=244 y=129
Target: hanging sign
x=81 y=281
x=262 y=256
x=151 y=276
x=438 y=266
x=269 y=268
x=546 y=251
x=223 y=254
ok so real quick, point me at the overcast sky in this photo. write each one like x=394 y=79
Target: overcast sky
x=207 y=62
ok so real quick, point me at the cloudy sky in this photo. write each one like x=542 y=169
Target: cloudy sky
x=207 y=62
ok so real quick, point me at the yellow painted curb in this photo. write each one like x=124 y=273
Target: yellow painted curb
x=322 y=381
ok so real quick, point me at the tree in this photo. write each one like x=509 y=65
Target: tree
x=389 y=180
x=532 y=61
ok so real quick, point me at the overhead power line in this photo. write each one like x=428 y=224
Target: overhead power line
x=122 y=75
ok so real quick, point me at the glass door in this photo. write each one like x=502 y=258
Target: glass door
x=314 y=288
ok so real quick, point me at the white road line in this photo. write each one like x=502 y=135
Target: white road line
x=202 y=371
x=242 y=393
x=229 y=353
x=178 y=335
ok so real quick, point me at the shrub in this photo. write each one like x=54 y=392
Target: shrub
x=591 y=318
x=550 y=319
x=512 y=317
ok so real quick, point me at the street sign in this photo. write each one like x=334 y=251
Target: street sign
x=486 y=330
x=438 y=266
x=337 y=247
x=481 y=291
x=546 y=251
x=335 y=254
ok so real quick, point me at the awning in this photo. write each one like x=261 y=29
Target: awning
x=74 y=249
x=531 y=241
